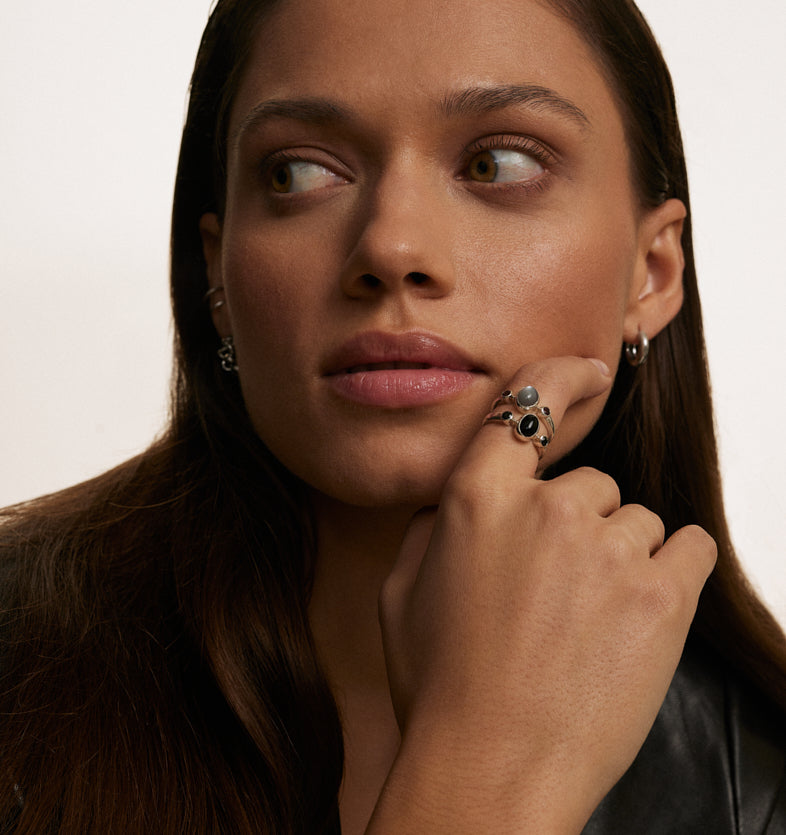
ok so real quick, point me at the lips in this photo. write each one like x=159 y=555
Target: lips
x=378 y=351
x=398 y=370
x=384 y=366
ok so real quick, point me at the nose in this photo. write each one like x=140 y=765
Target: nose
x=403 y=240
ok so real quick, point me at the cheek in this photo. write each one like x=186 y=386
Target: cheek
x=273 y=296
x=274 y=316
x=558 y=292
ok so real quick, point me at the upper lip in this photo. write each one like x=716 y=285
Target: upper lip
x=377 y=348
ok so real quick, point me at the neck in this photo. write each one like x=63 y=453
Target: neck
x=356 y=549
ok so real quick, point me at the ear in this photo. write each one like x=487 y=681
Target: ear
x=210 y=231
x=656 y=291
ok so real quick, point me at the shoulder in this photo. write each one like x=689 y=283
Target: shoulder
x=714 y=761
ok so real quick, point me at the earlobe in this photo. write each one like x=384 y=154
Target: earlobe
x=210 y=232
x=656 y=291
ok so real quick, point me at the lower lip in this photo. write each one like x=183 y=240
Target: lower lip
x=401 y=388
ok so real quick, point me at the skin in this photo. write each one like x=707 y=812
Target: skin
x=537 y=278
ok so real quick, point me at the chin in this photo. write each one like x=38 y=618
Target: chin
x=389 y=498
x=378 y=482
x=393 y=490
x=384 y=466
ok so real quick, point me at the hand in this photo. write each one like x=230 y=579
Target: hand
x=531 y=630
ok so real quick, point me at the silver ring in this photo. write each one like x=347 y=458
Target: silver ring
x=534 y=424
x=527 y=401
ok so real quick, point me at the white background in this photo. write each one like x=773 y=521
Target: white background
x=92 y=97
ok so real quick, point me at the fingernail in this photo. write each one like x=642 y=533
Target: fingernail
x=604 y=369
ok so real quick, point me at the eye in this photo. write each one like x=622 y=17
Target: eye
x=503 y=165
x=292 y=176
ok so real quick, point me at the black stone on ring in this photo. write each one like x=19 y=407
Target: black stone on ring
x=525 y=427
x=528 y=426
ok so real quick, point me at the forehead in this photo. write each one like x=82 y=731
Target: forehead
x=394 y=58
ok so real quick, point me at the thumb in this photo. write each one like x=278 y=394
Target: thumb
x=394 y=596
x=413 y=547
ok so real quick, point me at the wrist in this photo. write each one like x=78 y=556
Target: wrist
x=442 y=782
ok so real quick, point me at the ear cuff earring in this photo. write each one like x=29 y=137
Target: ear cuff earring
x=207 y=297
x=637 y=352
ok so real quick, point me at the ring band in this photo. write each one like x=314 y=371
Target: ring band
x=534 y=424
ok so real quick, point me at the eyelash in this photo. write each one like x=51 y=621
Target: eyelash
x=289 y=156
x=284 y=156
x=513 y=142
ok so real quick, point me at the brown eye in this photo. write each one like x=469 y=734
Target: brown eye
x=281 y=178
x=294 y=176
x=483 y=167
x=504 y=165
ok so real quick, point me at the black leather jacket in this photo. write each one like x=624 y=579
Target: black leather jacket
x=714 y=762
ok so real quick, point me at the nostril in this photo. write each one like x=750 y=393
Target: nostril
x=370 y=280
x=418 y=278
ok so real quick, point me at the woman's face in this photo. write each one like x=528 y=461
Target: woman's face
x=422 y=196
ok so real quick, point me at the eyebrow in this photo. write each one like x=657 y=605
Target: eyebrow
x=467 y=102
x=308 y=110
x=484 y=99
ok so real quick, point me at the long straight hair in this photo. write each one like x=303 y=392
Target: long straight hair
x=158 y=672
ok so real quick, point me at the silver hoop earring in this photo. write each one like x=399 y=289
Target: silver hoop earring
x=637 y=352
x=226 y=353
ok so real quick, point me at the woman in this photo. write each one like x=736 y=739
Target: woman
x=408 y=245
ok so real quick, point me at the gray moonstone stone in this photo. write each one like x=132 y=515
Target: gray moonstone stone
x=527 y=397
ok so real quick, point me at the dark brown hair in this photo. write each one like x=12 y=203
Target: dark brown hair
x=158 y=670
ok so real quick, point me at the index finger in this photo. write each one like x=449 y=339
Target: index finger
x=562 y=385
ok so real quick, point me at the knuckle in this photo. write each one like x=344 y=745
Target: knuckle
x=699 y=547
x=704 y=546
x=652 y=519
x=658 y=525
x=591 y=483
x=561 y=508
x=461 y=494
x=619 y=546
x=605 y=482
x=461 y=487
x=468 y=497
x=590 y=472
